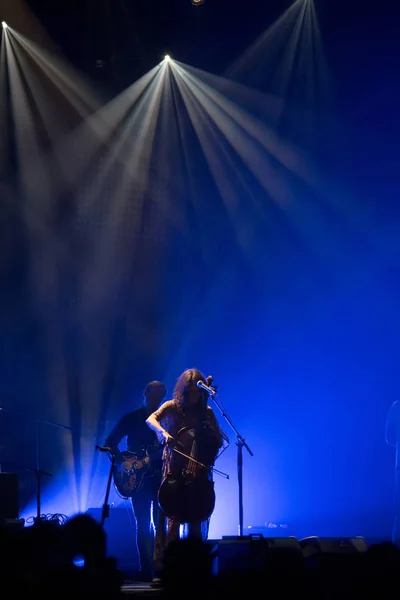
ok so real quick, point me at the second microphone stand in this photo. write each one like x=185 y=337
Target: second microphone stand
x=38 y=471
x=105 y=511
x=240 y=443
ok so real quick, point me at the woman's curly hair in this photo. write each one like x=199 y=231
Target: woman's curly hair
x=188 y=377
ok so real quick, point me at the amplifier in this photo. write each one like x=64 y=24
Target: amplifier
x=13 y=524
x=9 y=496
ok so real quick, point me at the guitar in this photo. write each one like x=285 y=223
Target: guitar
x=132 y=470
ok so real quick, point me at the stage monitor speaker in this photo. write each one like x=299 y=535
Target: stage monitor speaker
x=253 y=553
x=334 y=556
x=120 y=528
x=334 y=545
x=9 y=496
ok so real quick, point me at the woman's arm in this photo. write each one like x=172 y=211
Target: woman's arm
x=154 y=422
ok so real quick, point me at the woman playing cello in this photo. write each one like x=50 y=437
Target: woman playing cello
x=192 y=437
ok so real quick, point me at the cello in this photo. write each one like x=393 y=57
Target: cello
x=187 y=494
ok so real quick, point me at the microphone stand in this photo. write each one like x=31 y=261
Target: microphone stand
x=37 y=471
x=240 y=443
x=105 y=512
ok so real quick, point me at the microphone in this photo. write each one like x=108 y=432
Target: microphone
x=103 y=448
x=208 y=389
x=209 y=381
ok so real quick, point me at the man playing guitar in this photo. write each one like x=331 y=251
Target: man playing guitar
x=137 y=472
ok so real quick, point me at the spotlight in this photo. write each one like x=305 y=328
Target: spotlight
x=167 y=58
x=197 y=2
x=4 y=25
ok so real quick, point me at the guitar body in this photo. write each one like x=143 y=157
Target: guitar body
x=131 y=473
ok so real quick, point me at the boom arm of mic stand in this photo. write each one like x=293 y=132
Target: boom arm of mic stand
x=242 y=441
x=239 y=438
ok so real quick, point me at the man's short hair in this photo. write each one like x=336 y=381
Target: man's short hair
x=154 y=384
